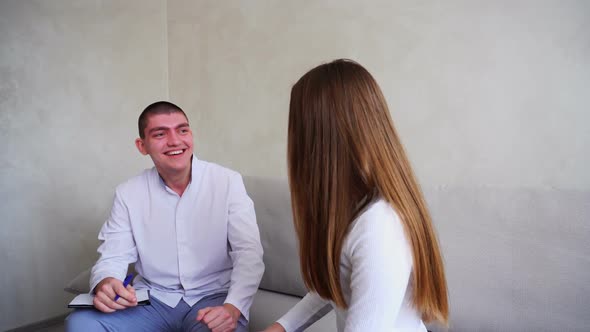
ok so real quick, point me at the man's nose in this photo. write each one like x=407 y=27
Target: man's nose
x=173 y=139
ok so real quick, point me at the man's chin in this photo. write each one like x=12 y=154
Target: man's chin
x=176 y=166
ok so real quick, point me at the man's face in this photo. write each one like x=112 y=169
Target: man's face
x=169 y=142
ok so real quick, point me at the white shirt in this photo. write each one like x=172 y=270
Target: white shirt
x=185 y=247
x=375 y=271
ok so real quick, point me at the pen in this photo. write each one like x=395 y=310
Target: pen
x=125 y=283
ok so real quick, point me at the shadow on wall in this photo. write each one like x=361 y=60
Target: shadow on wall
x=62 y=229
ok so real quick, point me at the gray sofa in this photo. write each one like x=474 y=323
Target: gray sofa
x=510 y=266
x=281 y=286
x=515 y=259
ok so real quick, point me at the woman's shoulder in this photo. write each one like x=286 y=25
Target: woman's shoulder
x=377 y=214
x=378 y=231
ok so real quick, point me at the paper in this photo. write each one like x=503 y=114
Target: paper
x=85 y=300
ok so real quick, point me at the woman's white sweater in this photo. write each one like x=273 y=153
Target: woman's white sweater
x=375 y=272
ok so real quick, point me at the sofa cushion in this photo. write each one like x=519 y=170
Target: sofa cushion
x=80 y=284
x=268 y=307
x=272 y=203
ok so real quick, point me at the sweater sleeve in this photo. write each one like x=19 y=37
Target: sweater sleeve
x=306 y=312
x=381 y=263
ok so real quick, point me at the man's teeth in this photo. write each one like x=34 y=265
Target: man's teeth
x=174 y=152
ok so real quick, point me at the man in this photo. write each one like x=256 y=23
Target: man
x=189 y=226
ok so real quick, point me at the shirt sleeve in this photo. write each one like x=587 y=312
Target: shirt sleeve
x=117 y=249
x=306 y=312
x=381 y=266
x=245 y=248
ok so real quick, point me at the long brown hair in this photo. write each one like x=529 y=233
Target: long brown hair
x=343 y=151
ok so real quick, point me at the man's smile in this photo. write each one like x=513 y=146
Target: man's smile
x=175 y=152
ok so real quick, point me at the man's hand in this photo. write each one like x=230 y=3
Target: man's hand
x=220 y=319
x=105 y=293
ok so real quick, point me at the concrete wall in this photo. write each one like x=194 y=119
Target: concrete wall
x=74 y=77
x=483 y=94
x=490 y=98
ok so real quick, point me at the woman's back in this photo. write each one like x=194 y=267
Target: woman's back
x=375 y=270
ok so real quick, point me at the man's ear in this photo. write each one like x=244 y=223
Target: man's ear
x=140 y=146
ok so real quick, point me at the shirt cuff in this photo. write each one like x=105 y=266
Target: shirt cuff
x=241 y=308
x=285 y=324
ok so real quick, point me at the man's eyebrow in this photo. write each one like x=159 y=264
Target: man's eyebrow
x=182 y=125
x=157 y=129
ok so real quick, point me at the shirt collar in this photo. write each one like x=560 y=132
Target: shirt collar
x=194 y=171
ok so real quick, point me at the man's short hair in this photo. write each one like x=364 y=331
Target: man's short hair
x=159 y=107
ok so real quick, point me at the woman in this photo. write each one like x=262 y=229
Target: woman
x=366 y=242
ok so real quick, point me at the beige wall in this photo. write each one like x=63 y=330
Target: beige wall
x=490 y=99
x=491 y=94
x=74 y=76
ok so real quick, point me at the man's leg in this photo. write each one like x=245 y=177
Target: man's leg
x=190 y=323
x=155 y=317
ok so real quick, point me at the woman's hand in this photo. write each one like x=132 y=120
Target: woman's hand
x=275 y=327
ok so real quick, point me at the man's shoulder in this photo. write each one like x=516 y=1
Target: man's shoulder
x=218 y=171
x=137 y=182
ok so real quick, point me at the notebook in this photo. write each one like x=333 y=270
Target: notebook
x=85 y=300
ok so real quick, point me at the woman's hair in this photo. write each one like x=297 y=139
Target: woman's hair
x=343 y=151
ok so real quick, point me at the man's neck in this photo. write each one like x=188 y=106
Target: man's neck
x=177 y=181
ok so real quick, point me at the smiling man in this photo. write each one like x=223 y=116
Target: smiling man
x=189 y=227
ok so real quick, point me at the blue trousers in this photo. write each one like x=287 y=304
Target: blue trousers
x=155 y=317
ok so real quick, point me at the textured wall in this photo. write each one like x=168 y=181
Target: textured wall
x=491 y=101
x=516 y=258
x=483 y=94
x=489 y=98
x=74 y=77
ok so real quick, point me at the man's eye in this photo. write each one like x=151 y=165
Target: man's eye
x=158 y=135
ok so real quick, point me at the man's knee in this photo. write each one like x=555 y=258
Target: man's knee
x=199 y=327
x=242 y=328
x=83 y=320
